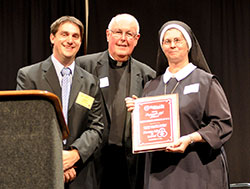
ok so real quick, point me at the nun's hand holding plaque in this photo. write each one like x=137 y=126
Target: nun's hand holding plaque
x=155 y=123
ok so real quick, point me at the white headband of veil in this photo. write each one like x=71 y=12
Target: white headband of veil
x=181 y=29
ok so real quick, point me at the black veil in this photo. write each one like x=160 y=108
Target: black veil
x=195 y=53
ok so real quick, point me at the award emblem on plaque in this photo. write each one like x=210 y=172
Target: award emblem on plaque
x=155 y=122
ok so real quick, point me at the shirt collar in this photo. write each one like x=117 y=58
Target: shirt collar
x=181 y=74
x=118 y=64
x=58 y=66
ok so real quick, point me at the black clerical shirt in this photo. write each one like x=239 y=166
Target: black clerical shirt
x=119 y=83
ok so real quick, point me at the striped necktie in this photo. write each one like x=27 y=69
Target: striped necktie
x=65 y=84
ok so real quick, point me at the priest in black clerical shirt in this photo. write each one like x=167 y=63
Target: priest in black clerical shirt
x=120 y=76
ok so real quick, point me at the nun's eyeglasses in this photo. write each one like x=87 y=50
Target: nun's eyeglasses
x=118 y=34
x=176 y=41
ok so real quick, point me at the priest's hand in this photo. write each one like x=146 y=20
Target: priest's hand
x=130 y=104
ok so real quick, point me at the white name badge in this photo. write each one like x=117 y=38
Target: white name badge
x=194 y=88
x=104 y=82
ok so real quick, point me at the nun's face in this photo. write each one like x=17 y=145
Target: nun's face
x=175 y=46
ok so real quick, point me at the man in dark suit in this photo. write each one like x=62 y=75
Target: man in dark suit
x=120 y=76
x=84 y=115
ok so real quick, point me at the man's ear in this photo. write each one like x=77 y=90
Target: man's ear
x=107 y=34
x=138 y=36
x=52 y=38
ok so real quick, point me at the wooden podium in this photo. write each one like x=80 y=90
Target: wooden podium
x=32 y=128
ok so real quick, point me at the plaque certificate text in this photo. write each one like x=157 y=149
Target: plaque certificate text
x=155 y=122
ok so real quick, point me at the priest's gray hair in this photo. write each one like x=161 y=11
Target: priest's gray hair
x=129 y=16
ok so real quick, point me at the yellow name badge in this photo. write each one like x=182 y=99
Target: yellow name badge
x=85 y=100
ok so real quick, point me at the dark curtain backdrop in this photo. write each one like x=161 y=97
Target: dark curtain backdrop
x=223 y=30
x=25 y=30
x=221 y=26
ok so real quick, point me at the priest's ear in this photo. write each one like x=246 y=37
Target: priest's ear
x=108 y=33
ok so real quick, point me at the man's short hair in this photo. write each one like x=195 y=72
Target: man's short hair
x=55 y=25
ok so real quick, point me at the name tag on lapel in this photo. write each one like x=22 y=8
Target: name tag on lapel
x=85 y=100
x=104 y=82
x=194 y=88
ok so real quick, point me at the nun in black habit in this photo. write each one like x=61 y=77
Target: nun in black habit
x=197 y=160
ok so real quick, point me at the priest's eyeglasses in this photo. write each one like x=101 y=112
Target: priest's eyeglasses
x=176 y=41
x=118 y=34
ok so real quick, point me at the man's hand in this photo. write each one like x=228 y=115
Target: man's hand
x=69 y=174
x=70 y=157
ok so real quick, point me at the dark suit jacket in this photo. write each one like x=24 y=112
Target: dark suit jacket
x=98 y=65
x=85 y=126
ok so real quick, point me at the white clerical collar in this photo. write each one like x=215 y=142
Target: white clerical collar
x=181 y=74
x=119 y=64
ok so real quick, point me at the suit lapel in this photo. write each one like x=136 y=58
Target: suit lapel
x=76 y=86
x=102 y=70
x=51 y=77
x=135 y=87
x=135 y=80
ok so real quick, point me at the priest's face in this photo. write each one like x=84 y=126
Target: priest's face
x=122 y=38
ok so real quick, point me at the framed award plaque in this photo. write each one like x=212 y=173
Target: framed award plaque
x=155 y=122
